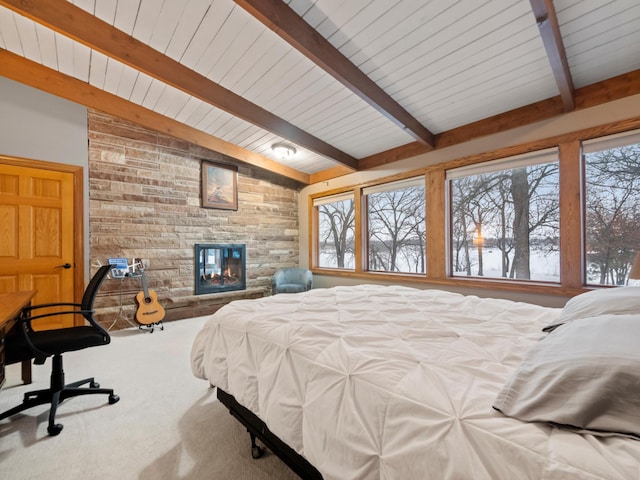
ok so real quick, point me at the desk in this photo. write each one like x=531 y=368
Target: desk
x=11 y=304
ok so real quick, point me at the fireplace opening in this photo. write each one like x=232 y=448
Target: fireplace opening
x=219 y=268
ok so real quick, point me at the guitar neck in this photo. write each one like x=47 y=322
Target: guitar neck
x=145 y=287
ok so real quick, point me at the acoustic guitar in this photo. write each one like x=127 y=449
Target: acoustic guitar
x=149 y=310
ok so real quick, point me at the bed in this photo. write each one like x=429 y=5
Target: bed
x=394 y=382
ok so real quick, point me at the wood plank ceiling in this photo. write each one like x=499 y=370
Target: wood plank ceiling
x=350 y=84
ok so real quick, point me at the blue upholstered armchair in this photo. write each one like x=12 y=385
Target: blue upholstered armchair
x=291 y=280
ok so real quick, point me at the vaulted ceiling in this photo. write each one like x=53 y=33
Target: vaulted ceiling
x=350 y=84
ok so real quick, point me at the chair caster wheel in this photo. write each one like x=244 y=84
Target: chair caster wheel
x=94 y=385
x=113 y=398
x=55 y=429
x=256 y=452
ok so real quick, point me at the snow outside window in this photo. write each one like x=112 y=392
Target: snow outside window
x=396 y=227
x=504 y=218
x=336 y=231
x=612 y=207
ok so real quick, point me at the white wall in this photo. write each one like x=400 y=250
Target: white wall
x=614 y=111
x=40 y=126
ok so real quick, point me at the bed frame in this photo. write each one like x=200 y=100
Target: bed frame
x=258 y=429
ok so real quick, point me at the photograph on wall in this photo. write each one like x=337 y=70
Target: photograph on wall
x=219 y=186
x=120 y=267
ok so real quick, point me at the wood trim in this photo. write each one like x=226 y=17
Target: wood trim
x=592 y=95
x=284 y=21
x=79 y=25
x=547 y=21
x=35 y=75
x=614 y=88
x=436 y=224
x=328 y=174
x=360 y=250
x=393 y=155
x=78 y=211
x=42 y=165
x=571 y=281
x=313 y=249
x=458 y=282
x=571 y=264
x=583 y=134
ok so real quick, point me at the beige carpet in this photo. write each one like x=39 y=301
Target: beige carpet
x=167 y=425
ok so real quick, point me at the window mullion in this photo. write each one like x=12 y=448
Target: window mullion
x=360 y=231
x=436 y=225
x=571 y=264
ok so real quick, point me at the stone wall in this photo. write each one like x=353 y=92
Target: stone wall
x=144 y=194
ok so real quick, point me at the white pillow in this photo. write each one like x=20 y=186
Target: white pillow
x=584 y=374
x=615 y=300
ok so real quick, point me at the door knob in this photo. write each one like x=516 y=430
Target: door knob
x=66 y=266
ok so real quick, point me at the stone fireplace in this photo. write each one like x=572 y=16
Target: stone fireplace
x=219 y=268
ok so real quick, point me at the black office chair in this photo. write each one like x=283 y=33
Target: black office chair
x=39 y=345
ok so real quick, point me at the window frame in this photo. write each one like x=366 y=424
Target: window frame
x=409 y=182
x=589 y=146
x=314 y=204
x=572 y=229
x=530 y=159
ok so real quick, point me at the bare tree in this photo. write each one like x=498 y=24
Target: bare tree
x=502 y=228
x=520 y=195
x=474 y=210
x=468 y=213
x=612 y=212
x=337 y=228
x=536 y=207
x=396 y=220
x=506 y=209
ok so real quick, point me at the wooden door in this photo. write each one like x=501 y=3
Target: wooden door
x=37 y=247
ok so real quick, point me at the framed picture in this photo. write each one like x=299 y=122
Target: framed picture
x=219 y=186
x=120 y=267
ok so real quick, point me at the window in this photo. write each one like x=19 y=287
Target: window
x=396 y=226
x=612 y=207
x=504 y=218
x=495 y=222
x=336 y=231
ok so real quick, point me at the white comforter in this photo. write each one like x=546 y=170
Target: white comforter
x=391 y=382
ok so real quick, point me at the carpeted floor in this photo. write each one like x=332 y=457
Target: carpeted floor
x=167 y=425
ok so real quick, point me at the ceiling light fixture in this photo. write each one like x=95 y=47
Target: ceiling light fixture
x=283 y=150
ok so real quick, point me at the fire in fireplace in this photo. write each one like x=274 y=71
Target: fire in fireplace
x=219 y=268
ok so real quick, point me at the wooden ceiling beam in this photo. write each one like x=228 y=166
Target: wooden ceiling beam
x=67 y=19
x=588 y=96
x=547 y=21
x=284 y=21
x=33 y=74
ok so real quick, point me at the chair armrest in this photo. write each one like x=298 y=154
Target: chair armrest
x=87 y=314
x=55 y=314
x=275 y=280
x=25 y=323
x=46 y=305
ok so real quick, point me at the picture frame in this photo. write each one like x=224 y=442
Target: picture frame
x=120 y=267
x=219 y=186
